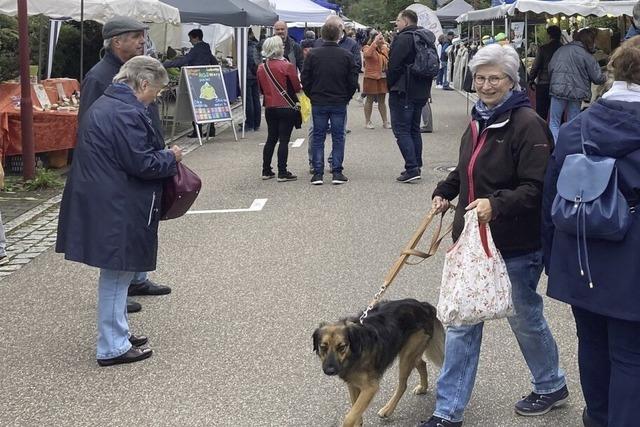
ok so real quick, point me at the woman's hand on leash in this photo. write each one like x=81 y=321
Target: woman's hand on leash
x=439 y=204
x=483 y=206
x=177 y=151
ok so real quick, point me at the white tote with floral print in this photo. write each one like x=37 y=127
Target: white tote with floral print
x=475 y=284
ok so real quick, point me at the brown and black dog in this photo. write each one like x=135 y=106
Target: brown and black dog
x=360 y=353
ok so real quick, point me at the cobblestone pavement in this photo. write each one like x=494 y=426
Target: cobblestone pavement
x=31 y=221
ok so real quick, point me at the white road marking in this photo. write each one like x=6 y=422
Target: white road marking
x=256 y=206
x=295 y=144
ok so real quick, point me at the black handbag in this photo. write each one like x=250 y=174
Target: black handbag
x=292 y=100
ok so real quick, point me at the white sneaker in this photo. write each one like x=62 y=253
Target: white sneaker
x=387 y=125
x=438 y=86
x=370 y=126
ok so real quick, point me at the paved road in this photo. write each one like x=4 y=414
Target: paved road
x=233 y=341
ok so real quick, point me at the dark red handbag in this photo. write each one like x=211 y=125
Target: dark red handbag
x=179 y=192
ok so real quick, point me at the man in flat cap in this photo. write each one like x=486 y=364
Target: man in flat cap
x=123 y=39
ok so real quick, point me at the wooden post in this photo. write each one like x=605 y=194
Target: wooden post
x=26 y=104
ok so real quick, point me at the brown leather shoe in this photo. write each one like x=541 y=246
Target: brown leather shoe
x=138 y=340
x=134 y=354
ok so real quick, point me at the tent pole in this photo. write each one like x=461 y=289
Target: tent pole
x=526 y=41
x=26 y=103
x=81 y=40
x=40 y=49
x=493 y=28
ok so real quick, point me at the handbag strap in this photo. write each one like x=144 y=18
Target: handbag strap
x=279 y=87
x=410 y=250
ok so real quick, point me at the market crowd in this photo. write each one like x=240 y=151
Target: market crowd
x=510 y=169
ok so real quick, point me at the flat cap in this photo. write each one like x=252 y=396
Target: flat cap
x=120 y=25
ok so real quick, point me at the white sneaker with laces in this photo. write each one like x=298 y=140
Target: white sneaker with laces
x=370 y=126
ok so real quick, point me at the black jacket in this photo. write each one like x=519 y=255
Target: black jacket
x=509 y=171
x=401 y=55
x=293 y=53
x=98 y=79
x=330 y=75
x=199 y=54
x=254 y=58
x=540 y=67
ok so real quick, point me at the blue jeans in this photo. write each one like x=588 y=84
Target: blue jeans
x=405 y=122
x=609 y=361
x=310 y=139
x=322 y=115
x=557 y=109
x=113 y=326
x=440 y=76
x=445 y=74
x=462 y=346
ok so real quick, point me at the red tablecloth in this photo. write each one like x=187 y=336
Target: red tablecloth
x=52 y=130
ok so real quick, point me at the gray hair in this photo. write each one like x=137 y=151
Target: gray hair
x=142 y=68
x=505 y=57
x=273 y=48
x=335 y=20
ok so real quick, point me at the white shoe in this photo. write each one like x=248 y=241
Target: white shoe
x=438 y=86
x=370 y=126
x=387 y=125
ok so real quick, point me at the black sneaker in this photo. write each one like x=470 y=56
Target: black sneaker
x=540 y=404
x=339 y=178
x=439 y=422
x=587 y=420
x=287 y=176
x=268 y=175
x=407 y=177
x=316 y=179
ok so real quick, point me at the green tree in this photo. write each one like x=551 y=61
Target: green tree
x=8 y=48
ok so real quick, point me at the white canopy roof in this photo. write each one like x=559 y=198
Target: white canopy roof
x=97 y=10
x=301 y=11
x=427 y=18
x=566 y=7
x=618 y=8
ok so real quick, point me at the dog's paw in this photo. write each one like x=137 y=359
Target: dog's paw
x=385 y=412
x=420 y=390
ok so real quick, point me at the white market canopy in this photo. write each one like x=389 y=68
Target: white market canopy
x=427 y=18
x=565 y=7
x=301 y=11
x=618 y=8
x=453 y=9
x=97 y=10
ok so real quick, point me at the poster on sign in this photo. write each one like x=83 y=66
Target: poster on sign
x=203 y=88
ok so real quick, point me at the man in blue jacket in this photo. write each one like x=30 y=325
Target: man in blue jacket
x=123 y=39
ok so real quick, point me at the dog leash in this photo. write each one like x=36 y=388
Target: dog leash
x=410 y=250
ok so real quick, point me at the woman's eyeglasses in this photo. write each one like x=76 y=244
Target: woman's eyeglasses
x=492 y=80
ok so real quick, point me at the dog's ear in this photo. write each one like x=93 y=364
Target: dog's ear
x=316 y=337
x=354 y=335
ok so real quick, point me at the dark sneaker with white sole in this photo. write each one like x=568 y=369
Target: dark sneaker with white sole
x=268 y=175
x=317 y=179
x=287 y=176
x=439 y=422
x=339 y=178
x=539 y=404
x=407 y=177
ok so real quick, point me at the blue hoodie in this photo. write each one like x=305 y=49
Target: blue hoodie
x=614 y=129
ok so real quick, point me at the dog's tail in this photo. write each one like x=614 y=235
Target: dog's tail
x=435 y=348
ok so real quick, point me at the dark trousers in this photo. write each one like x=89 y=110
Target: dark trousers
x=253 y=108
x=543 y=101
x=609 y=361
x=280 y=122
x=405 y=122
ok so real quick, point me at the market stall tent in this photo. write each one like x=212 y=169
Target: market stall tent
x=301 y=11
x=427 y=18
x=565 y=7
x=97 y=10
x=233 y=13
x=618 y=8
x=452 y=10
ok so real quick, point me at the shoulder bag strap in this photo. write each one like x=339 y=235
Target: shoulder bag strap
x=279 y=87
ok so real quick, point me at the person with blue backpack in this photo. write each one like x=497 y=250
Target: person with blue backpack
x=591 y=238
x=413 y=64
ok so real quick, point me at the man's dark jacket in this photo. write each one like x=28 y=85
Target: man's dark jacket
x=330 y=75
x=199 y=54
x=540 y=67
x=509 y=171
x=99 y=78
x=293 y=53
x=110 y=208
x=348 y=44
x=402 y=55
x=253 y=60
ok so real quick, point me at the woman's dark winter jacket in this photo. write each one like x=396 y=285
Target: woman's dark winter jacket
x=505 y=164
x=110 y=207
x=401 y=55
x=613 y=129
x=572 y=69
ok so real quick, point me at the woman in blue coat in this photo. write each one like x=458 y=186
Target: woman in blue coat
x=606 y=299
x=110 y=207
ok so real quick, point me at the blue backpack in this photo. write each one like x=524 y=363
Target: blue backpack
x=426 y=63
x=589 y=204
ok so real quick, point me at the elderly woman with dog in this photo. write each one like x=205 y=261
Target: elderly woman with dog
x=111 y=203
x=598 y=277
x=500 y=173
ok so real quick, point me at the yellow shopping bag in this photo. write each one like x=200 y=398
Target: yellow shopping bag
x=305 y=107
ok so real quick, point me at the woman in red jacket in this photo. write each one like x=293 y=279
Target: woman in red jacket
x=280 y=116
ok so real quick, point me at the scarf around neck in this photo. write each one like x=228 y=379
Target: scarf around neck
x=486 y=112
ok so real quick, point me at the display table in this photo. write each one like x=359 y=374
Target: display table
x=52 y=130
x=232 y=83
